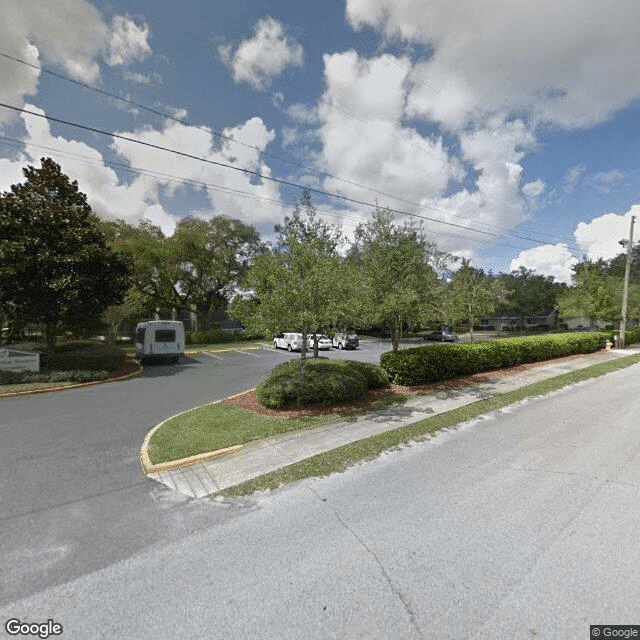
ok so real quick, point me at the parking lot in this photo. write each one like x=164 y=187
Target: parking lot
x=369 y=351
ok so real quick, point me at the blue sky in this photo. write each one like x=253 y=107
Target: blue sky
x=510 y=129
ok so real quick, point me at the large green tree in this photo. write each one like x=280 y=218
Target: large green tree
x=597 y=293
x=302 y=284
x=531 y=294
x=196 y=269
x=399 y=272
x=471 y=294
x=56 y=268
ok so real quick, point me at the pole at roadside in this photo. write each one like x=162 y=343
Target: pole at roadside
x=625 y=290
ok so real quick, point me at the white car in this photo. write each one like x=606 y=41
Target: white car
x=323 y=342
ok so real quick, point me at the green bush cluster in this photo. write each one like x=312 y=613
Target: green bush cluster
x=91 y=356
x=20 y=377
x=212 y=336
x=319 y=382
x=631 y=336
x=422 y=365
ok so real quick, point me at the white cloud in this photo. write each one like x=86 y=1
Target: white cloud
x=69 y=33
x=107 y=194
x=127 y=42
x=497 y=200
x=231 y=192
x=363 y=137
x=569 y=67
x=142 y=78
x=265 y=55
x=605 y=181
x=601 y=236
x=548 y=260
x=598 y=239
x=572 y=176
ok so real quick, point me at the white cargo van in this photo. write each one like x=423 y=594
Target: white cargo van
x=160 y=340
x=288 y=341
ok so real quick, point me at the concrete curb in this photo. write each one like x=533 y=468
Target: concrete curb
x=150 y=467
x=12 y=394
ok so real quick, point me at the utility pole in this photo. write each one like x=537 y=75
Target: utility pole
x=625 y=291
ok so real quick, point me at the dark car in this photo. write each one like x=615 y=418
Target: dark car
x=443 y=333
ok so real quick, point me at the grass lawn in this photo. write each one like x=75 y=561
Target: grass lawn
x=217 y=426
x=344 y=457
x=32 y=386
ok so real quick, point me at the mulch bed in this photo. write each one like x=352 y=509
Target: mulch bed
x=250 y=401
x=130 y=366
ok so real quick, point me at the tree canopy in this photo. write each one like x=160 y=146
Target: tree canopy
x=196 y=269
x=55 y=265
x=399 y=272
x=300 y=283
x=471 y=294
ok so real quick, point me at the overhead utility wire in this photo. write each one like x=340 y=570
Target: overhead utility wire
x=226 y=165
x=220 y=188
x=249 y=171
x=274 y=156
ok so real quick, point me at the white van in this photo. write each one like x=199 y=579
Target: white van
x=288 y=341
x=160 y=340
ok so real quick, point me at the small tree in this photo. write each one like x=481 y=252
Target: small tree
x=300 y=283
x=134 y=306
x=472 y=294
x=398 y=268
x=55 y=265
x=595 y=295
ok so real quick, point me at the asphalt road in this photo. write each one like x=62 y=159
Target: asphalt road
x=72 y=495
x=524 y=524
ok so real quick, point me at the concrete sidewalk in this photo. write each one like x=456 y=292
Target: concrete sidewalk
x=269 y=454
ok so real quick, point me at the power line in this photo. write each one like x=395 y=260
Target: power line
x=248 y=171
x=274 y=156
x=220 y=188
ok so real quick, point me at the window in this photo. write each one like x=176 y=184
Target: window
x=140 y=335
x=165 y=335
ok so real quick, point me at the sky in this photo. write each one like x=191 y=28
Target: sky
x=509 y=130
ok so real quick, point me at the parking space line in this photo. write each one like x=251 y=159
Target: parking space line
x=206 y=353
x=246 y=353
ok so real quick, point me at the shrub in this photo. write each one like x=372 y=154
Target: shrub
x=422 y=365
x=212 y=336
x=91 y=356
x=22 y=377
x=319 y=381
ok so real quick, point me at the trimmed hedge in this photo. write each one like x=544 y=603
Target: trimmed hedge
x=422 y=365
x=212 y=336
x=319 y=382
x=20 y=377
x=83 y=355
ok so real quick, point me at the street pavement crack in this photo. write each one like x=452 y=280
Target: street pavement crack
x=395 y=590
x=615 y=481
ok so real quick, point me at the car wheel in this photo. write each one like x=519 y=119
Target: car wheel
x=288 y=347
x=340 y=345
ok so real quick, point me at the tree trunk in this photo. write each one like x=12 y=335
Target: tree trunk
x=396 y=333
x=470 y=325
x=50 y=334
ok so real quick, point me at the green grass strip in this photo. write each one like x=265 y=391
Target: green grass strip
x=217 y=426
x=347 y=456
x=32 y=386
